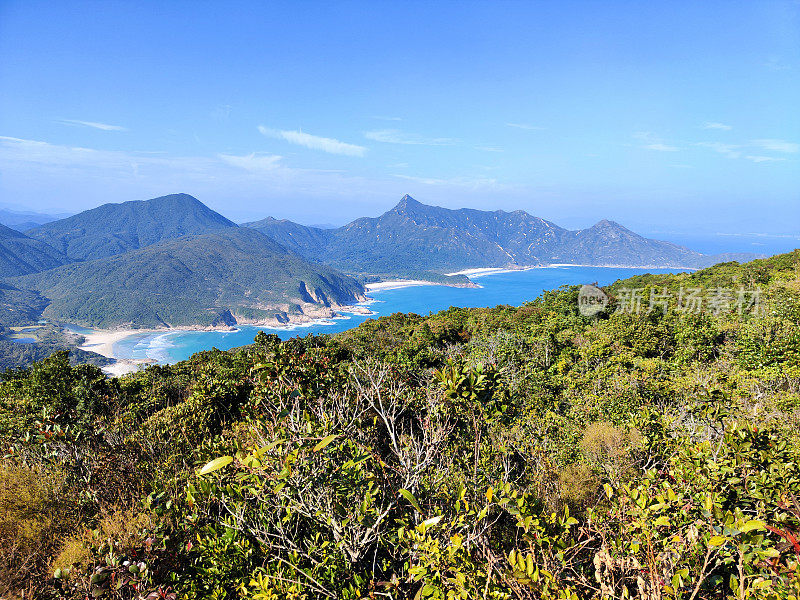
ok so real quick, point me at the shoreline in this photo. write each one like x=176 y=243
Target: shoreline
x=483 y=271
x=396 y=284
x=103 y=341
x=480 y=272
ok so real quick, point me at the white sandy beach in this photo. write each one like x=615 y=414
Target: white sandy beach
x=393 y=285
x=480 y=272
x=401 y=283
x=102 y=342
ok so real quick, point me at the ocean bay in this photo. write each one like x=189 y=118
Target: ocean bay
x=504 y=287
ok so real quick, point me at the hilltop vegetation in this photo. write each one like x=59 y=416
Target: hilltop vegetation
x=525 y=452
x=117 y=228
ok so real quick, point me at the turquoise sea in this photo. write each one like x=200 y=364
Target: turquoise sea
x=511 y=287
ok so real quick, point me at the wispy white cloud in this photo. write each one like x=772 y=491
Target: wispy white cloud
x=777 y=145
x=474 y=183
x=489 y=148
x=16 y=153
x=741 y=150
x=314 y=142
x=729 y=150
x=252 y=162
x=32 y=156
x=759 y=159
x=93 y=125
x=775 y=63
x=661 y=147
x=653 y=142
x=395 y=136
x=233 y=179
x=246 y=183
x=720 y=126
x=524 y=126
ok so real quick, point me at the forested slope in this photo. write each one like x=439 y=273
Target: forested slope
x=20 y=254
x=234 y=275
x=117 y=228
x=526 y=452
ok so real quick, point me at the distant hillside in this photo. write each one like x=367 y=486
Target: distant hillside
x=116 y=228
x=20 y=255
x=234 y=275
x=21 y=221
x=305 y=240
x=415 y=236
x=19 y=307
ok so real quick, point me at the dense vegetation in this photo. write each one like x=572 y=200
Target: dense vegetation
x=430 y=238
x=523 y=452
x=19 y=307
x=117 y=228
x=20 y=254
x=212 y=279
x=49 y=339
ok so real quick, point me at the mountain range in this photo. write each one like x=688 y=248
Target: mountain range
x=172 y=261
x=168 y=261
x=430 y=238
x=22 y=220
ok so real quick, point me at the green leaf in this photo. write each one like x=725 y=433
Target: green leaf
x=752 y=525
x=716 y=540
x=217 y=463
x=410 y=497
x=324 y=442
x=269 y=447
x=662 y=521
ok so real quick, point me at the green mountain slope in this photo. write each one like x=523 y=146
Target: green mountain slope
x=234 y=275
x=116 y=228
x=418 y=237
x=20 y=255
x=19 y=307
x=305 y=240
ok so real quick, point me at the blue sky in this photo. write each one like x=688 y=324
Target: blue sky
x=676 y=117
